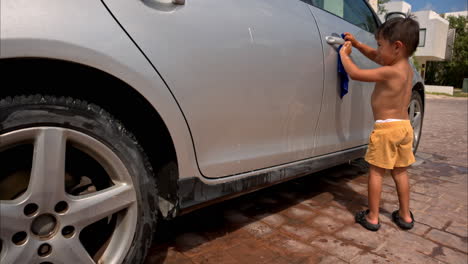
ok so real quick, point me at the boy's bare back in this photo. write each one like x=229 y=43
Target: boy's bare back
x=391 y=97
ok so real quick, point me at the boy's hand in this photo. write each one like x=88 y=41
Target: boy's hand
x=349 y=37
x=346 y=49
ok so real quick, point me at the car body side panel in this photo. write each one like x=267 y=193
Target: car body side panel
x=84 y=32
x=248 y=75
x=344 y=122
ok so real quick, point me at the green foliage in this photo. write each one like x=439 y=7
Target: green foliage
x=452 y=72
x=381 y=6
x=416 y=63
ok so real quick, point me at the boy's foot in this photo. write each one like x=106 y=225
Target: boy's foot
x=402 y=223
x=362 y=220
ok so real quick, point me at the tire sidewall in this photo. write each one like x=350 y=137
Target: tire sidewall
x=91 y=120
x=416 y=96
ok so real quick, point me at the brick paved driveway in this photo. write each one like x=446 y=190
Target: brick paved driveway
x=310 y=220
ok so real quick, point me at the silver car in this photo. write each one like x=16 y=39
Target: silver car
x=115 y=114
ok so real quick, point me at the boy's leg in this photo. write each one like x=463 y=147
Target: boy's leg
x=374 y=190
x=400 y=176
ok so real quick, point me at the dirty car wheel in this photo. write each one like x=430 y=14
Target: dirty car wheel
x=416 y=115
x=75 y=186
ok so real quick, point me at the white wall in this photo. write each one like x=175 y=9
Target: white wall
x=436 y=35
x=439 y=89
x=374 y=5
x=396 y=6
x=456 y=14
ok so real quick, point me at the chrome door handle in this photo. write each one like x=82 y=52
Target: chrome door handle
x=334 y=40
x=178 y=2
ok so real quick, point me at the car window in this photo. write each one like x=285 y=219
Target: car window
x=355 y=12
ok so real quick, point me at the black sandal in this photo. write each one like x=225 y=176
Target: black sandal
x=361 y=219
x=400 y=222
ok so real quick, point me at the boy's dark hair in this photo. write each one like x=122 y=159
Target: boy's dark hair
x=404 y=29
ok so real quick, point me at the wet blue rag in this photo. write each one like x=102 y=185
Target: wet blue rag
x=343 y=75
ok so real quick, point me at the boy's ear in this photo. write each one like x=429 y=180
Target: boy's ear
x=398 y=45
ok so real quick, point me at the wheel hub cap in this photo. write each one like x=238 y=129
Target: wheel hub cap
x=44 y=225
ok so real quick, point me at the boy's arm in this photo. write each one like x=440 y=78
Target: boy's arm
x=369 y=52
x=357 y=74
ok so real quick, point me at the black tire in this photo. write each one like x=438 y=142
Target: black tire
x=416 y=96
x=38 y=111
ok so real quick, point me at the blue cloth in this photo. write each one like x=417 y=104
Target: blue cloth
x=343 y=75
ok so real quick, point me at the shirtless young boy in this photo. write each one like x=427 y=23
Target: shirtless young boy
x=390 y=143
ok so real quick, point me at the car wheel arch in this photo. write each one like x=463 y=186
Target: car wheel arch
x=126 y=103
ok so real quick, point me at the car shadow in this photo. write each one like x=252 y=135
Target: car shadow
x=343 y=186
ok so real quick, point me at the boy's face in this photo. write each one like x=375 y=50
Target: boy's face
x=386 y=52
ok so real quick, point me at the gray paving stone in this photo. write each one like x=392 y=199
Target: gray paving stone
x=449 y=256
x=433 y=220
x=326 y=224
x=330 y=260
x=410 y=242
x=257 y=229
x=360 y=236
x=449 y=240
x=404 y=247
x=323 y=198
x=288 y=246
x=299 y=213
x=370 y=258
x=273 y=220
x=338 y=213
x=419 y=229
x=458 y=229
x=334 y=246
x=301 y=232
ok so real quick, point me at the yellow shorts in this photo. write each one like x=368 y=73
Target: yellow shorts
x=391 y=145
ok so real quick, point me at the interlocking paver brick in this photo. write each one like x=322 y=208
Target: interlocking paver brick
x=323 y=198
x=302 y=232
x=449 y=256
x=458 y=229
x=214 y=257
x=420 y=229
x=334 y=246
x=340 y=214
x=191 y=243
x=257 y=229
x=252 y=252
x=163 y=255
x=326 y=223
x=273 y=220
x=311 y=205
x=449 y=240
x=404 y=253
x=420 y=197
x=370 y=258
x=360 y=236
x=289 y=247
x=328 y=260
x=299 y=213
x=431 y=218
x=235 y=217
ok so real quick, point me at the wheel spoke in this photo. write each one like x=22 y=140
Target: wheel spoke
x=88 y=209
x=12 y=220
x=47 y=183
x=18 y=254
x=69 y=251
x=416 y=120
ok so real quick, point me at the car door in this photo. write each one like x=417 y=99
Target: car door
x=247 y=75
x=344 y=122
